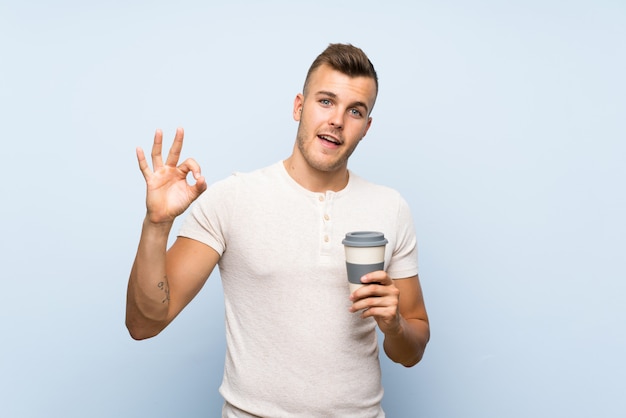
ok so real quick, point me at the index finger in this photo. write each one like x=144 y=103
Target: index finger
x=380 y=277
x=177 y=146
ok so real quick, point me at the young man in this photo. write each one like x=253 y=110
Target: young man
x=298 y=343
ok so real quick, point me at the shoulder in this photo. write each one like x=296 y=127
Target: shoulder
x=378 y=199
x=360 y=185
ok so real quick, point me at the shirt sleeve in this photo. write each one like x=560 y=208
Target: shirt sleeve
x=404 y=257
x=207 y=220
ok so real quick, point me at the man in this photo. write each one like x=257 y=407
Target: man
x=298 y=343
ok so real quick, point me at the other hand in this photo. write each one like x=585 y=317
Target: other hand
x=378 y=299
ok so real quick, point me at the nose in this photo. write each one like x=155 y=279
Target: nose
x=336 y=119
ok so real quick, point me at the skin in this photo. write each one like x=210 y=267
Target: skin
x=333 y=116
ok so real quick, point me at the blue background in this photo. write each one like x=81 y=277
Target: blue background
x=502 y=123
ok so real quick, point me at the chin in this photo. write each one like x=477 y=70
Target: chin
x=327 y=167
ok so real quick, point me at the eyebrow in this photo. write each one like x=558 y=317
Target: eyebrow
x=334 y=96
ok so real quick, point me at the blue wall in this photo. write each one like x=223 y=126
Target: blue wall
x=502 y=123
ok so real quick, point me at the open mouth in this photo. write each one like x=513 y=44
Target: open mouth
x=329 y=139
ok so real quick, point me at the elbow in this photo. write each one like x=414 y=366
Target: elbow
x=412 y=361
x=144 y=331
x=139 y=335
x=409 y=353
x=405 y=359
x=143 y=324
x=419 y=353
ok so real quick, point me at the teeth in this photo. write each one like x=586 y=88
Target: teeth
x=329 y=139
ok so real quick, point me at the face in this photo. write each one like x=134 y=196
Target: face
x=334 y=116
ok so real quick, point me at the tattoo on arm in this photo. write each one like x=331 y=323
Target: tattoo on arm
x=165 y=288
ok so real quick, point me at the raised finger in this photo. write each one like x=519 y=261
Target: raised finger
x=157 y=146
x=143 y=164
x=177 y=146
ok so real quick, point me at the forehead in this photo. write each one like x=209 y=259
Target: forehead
x=343 y=86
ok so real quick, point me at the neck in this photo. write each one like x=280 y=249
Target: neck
x=316 y=180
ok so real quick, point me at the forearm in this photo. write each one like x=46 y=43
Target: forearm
x=408 y=344
x=147 y=303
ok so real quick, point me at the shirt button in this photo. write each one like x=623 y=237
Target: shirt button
x=326 y=239
x=326 y=217
x=321 y=198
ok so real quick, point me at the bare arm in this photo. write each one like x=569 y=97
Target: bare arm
x=158 y=287
x=398 y=308
x=162 y=283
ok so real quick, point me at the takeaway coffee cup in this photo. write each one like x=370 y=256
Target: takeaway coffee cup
x=365 y=252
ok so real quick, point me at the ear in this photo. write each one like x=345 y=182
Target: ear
x=297 y=107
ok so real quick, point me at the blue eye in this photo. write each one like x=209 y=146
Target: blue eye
x=325 y=102
x=356 y=112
